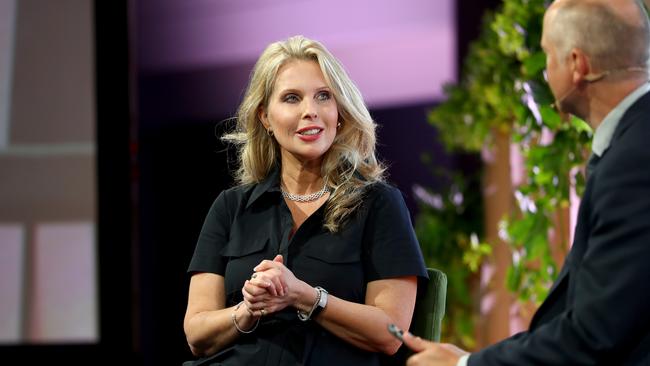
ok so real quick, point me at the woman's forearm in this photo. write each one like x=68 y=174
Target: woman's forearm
x=361 y=325
x=365 y=325
x=208 y=332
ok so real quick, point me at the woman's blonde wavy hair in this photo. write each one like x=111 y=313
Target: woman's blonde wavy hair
x=349 y=166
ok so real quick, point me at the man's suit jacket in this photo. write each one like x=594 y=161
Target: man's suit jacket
x=598 y=310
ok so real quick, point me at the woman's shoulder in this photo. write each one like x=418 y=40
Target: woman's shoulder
x=238 y=189
x=383 y=189
x=383 y=196
x=234 y=195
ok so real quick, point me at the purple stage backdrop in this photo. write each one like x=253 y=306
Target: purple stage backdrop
x=398 y=52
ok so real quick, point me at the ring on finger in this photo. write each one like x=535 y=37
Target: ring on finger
x=263 y=312
x=254 y=275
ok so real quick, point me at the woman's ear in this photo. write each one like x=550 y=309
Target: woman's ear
x=263 y=116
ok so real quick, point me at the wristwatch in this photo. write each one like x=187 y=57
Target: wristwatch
x=319 y=305
x=322 y=301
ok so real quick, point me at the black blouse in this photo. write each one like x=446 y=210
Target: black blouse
x=247 y=224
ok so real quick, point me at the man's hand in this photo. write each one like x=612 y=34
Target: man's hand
x=431 y=353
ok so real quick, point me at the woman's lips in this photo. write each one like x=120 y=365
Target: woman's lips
x=309 y=133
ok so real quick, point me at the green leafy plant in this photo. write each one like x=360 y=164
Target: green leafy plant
x=448 y=225
x=503 y=90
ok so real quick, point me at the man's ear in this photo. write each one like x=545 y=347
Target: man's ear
x=580 y=65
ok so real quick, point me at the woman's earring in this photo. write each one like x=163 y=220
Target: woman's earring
x=338 y=125
x=270 y=132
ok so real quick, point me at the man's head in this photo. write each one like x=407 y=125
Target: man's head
x=588 y=40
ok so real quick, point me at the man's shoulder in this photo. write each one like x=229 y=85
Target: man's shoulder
x=639 y=109
x=633 y=130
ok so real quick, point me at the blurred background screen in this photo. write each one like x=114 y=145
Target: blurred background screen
x=48 y=247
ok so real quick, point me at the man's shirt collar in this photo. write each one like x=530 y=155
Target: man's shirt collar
x=605 y=132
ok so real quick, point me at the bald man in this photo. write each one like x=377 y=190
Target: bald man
x=598 y=309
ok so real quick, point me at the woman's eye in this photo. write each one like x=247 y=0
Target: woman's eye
x=324 y=95
x=290 y=98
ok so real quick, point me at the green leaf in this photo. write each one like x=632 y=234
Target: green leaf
x=550 y=117
x=534 y=64
x=513 y=277
x=581 y=126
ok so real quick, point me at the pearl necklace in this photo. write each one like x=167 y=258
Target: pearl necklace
x=305 y=197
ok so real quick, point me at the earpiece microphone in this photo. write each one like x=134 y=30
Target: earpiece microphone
x=556 y=105
x=592 y=78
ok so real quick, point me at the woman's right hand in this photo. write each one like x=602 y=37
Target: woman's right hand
x=261 y=289
x=273 y=287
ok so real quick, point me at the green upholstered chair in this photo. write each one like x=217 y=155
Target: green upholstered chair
x=430 y=306
x=427 y=316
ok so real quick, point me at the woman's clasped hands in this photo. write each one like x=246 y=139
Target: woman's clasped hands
x=272 y=287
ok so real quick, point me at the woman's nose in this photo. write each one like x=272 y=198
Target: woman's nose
x=309 y=110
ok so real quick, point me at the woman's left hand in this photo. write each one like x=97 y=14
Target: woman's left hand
x=270 y=287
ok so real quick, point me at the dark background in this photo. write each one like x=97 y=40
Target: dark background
x=160 y=165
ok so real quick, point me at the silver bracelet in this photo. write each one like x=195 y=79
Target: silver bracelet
x=234 y=321
x=306 y=316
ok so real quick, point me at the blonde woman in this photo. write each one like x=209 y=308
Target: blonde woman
x=309 y=258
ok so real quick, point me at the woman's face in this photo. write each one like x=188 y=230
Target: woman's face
x=301 y=112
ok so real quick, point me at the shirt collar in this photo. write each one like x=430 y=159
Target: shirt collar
x=270 y=184
x=605 y=132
